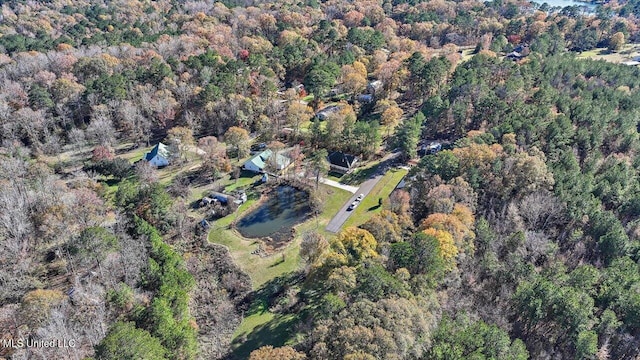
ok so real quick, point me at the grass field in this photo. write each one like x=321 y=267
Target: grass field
x=628 y=52
x=259 y=326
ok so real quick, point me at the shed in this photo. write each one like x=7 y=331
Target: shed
x=222 y=198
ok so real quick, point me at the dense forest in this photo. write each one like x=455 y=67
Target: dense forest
x=521 y=239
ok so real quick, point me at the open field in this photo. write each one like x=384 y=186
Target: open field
x=628 y=53
x=259 y=321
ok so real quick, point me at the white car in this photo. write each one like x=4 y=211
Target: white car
x=353 y=205
x=360 y=197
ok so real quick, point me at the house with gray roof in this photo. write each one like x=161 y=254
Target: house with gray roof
x=342 y=163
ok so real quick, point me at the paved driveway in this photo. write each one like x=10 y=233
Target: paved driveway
x=351 y=189
x=343 y=214
x=338 y=220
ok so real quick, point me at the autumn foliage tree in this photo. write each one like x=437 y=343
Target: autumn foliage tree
x=238 y=139
x=279 y=353
x=181 y=138
x=101 y=153
x=447 y=247
x=616 y=41
x=351 y=246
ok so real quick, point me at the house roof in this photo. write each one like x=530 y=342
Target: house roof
x=341 y=159
x=260 y=160
x=161 y=149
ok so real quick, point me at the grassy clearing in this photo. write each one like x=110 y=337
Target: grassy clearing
x=369 y=205
x=263 y=269
x=270 y=329
x=260 y=326
x=131 y=155
x=627 y=53
x=245 y=180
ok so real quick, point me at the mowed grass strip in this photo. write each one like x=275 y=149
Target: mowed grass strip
x=369 y=205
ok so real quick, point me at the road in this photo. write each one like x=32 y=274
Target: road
x=365 y=188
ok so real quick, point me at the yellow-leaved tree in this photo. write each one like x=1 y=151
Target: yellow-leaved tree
x=459 y=223
x=448 y=249
x=268 y=352
x=351 y=246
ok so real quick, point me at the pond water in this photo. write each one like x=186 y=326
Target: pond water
x=286 y=207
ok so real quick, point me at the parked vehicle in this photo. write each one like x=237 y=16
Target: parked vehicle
x=258 y=147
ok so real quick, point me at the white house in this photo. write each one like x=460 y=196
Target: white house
x=158 y=156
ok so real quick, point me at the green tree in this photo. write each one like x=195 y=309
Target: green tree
x=93 y=244
x=125 y=341
x=465 y=339
x=408 y=135
x=586 y=345
x=321 y=78
x=444 y=164
x=319 y=164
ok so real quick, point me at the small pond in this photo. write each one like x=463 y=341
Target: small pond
x=286 y=207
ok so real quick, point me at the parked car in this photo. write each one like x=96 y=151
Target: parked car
x=258 y=147
x=353 y=205
x=360 y=197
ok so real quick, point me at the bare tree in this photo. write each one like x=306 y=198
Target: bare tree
x=101 y=130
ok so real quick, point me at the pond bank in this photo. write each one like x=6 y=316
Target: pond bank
x=274 y=217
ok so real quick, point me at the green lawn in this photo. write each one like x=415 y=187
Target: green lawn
x=259 y=326
x=261 y=329
x=361 y=174
x=135 y=154
x=263 y=269
x=245 y=180
x=369 y=204
x=628 y=52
